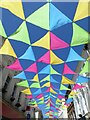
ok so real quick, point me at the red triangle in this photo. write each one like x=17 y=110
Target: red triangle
x=57 y=43
x=45 y=58
x=15 y=66
x=67 y=70
x=32 y=68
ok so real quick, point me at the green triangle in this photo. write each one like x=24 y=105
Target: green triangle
x=86 y=68
x=23 y=84
x=80 y=36
x=62 y=87
x=2 y=31
x=35 y=85
x=21 y=34
x=46 y=78
x=52 y=71
x=41 y=102
x=40 y=17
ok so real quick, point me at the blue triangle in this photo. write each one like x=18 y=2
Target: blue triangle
x=37 y=92
x=69 y=100
x=73 y=56
x=52 y=80
x=57 y=18
x=29 y=55
x=21 y=76
x=45 y=70
x=82 y=79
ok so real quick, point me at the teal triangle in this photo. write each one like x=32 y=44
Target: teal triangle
x=73 y=56
x=52 y=80
x=37 y=92
x=45 y=70
x=57 y=18
x=20 y=76
x=29 y=55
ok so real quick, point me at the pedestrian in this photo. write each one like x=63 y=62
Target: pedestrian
x=81 y=117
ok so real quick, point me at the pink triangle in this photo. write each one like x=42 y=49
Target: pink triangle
x=67 y=70
x=39 y=96
x=48 y=90
x=60 y=97
x=30 y=96
x=15 y=66
x=45 y=58
x=78 y=87
x=57 y=43
x=32 y=68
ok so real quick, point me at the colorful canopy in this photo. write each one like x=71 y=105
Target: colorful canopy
x=47 y=39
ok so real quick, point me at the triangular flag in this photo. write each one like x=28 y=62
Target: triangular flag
x=60 y=97
x=66 y=80
x=41 y=102
x=39 y=96
x=7 y=49
x=67 y=70
x=32 y=103
x=37 y=92
x=45 y=70
x=88 y=58
x=53 y=80
x=58 y=100
x=52 y=91
x=80 y=36
x=62 y=87
x=86 y=68
x=54 y=59
x=23 y=83
x=43 y=42
x=14 y=7
x=15 y=66
x=46 y=85
x=27 y=91
x=36 y=17
x=69 y=100
x=73 y=93
x=29 y=97
x=32 y=68
x=29 y=55
x=77 y=86
x=2 y=31
x=82 y=10
x=21 y=76
x=47 y=78
x=45 y=58
x=21 y=34
x=82 y=79
x=57 y=43
x=57 y=18
x=73 y=56
x=52 y=71
x=35 y=85
x=36 y=78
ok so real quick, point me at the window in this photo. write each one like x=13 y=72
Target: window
x=19 y=97
x=14 y=89
x=6 y=83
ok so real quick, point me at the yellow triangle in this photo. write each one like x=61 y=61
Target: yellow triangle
x=42 y=99
x=88 y=58
x=36 y=78
x=66 y=80
x=72 y=93
x=52 y=91
x=59 y=100
x=27 y=91
x=46 y=84
x=82 y=10
x=7 y=49
x=43 y=42
x=13 y=6
x=54 y=59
